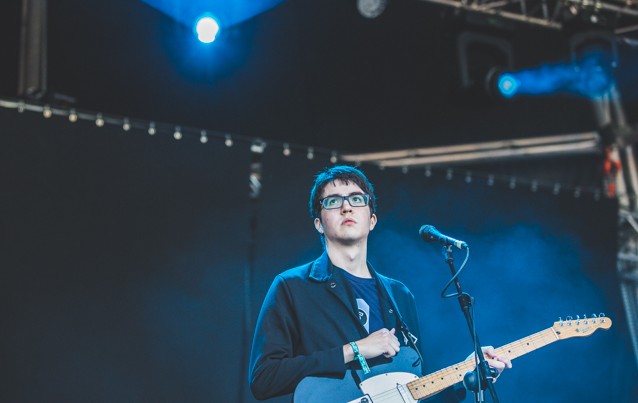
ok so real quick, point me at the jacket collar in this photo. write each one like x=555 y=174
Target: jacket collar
x=321 y=271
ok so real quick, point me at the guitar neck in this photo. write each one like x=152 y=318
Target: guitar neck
x=439 y=380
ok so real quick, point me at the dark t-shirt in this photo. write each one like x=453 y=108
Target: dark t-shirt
x=366 y=293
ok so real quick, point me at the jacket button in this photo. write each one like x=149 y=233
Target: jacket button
x=333 y=284
x=391 y=310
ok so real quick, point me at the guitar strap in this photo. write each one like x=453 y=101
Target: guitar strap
x=408 y=338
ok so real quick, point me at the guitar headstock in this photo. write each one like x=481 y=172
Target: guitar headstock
x=580 y=327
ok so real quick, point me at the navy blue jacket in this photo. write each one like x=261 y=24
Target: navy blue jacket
x=307 y=316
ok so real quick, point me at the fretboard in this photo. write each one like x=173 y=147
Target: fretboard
x=439 y=380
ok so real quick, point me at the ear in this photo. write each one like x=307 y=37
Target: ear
x=318 y=225
x=373 y=221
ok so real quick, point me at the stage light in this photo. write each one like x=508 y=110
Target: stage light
x=508 y=85
x=73 y=116
x=371 y=8
x=206 y=29
x=286 y=150
x=203 y=137
x=228 y=140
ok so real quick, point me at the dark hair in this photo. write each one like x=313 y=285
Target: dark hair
x=343 y=173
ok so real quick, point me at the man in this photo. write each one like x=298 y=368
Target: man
x=336 y=317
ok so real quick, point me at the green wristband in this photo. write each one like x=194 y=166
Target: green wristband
x=360 y=357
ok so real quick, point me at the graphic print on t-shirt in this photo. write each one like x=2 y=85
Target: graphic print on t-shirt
x=364 y=313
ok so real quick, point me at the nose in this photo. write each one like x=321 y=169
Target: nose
x=345 y=207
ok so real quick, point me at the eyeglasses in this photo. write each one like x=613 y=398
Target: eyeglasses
x=334 y=202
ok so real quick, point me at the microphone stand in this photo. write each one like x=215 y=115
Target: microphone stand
x=471 y=380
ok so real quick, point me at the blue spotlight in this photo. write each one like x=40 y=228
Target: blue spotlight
x=508 y=85
x=206 y=28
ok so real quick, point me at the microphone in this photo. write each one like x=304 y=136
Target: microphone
x=431 y=234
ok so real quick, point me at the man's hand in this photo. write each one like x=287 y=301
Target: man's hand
x=498 y=362
x=381 y=342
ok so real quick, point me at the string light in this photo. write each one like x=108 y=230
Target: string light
x=177 y=135
x=73 y=116
x=228 y=141
x=47 y=112
x=556 y=189
x=260 y=145
x=449 y=174
x=151 y=128
x=534 y=186
x=126 y=125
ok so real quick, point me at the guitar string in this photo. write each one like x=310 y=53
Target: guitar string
x=441 y=379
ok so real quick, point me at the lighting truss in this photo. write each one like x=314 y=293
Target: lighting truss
x=566 y=144
x=619 y=15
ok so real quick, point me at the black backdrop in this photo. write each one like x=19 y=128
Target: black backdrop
x=126 y=260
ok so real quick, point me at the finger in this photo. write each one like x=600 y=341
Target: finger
x=489 y=351
x=505 y=360
x=498 y=365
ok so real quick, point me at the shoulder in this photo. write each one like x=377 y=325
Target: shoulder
x=297 y=273
x=293 y=278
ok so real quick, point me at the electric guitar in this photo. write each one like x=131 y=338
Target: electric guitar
x=389 y=383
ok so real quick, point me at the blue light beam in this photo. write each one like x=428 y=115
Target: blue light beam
x=589 y=78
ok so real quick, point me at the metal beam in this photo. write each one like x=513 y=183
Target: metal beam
x=621 y=16
x=32 y=74
x=609 y=112
x=567 y=144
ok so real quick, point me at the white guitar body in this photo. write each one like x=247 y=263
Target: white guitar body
x=390 y=388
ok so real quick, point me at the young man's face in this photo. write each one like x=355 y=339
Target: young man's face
x=346 y=225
